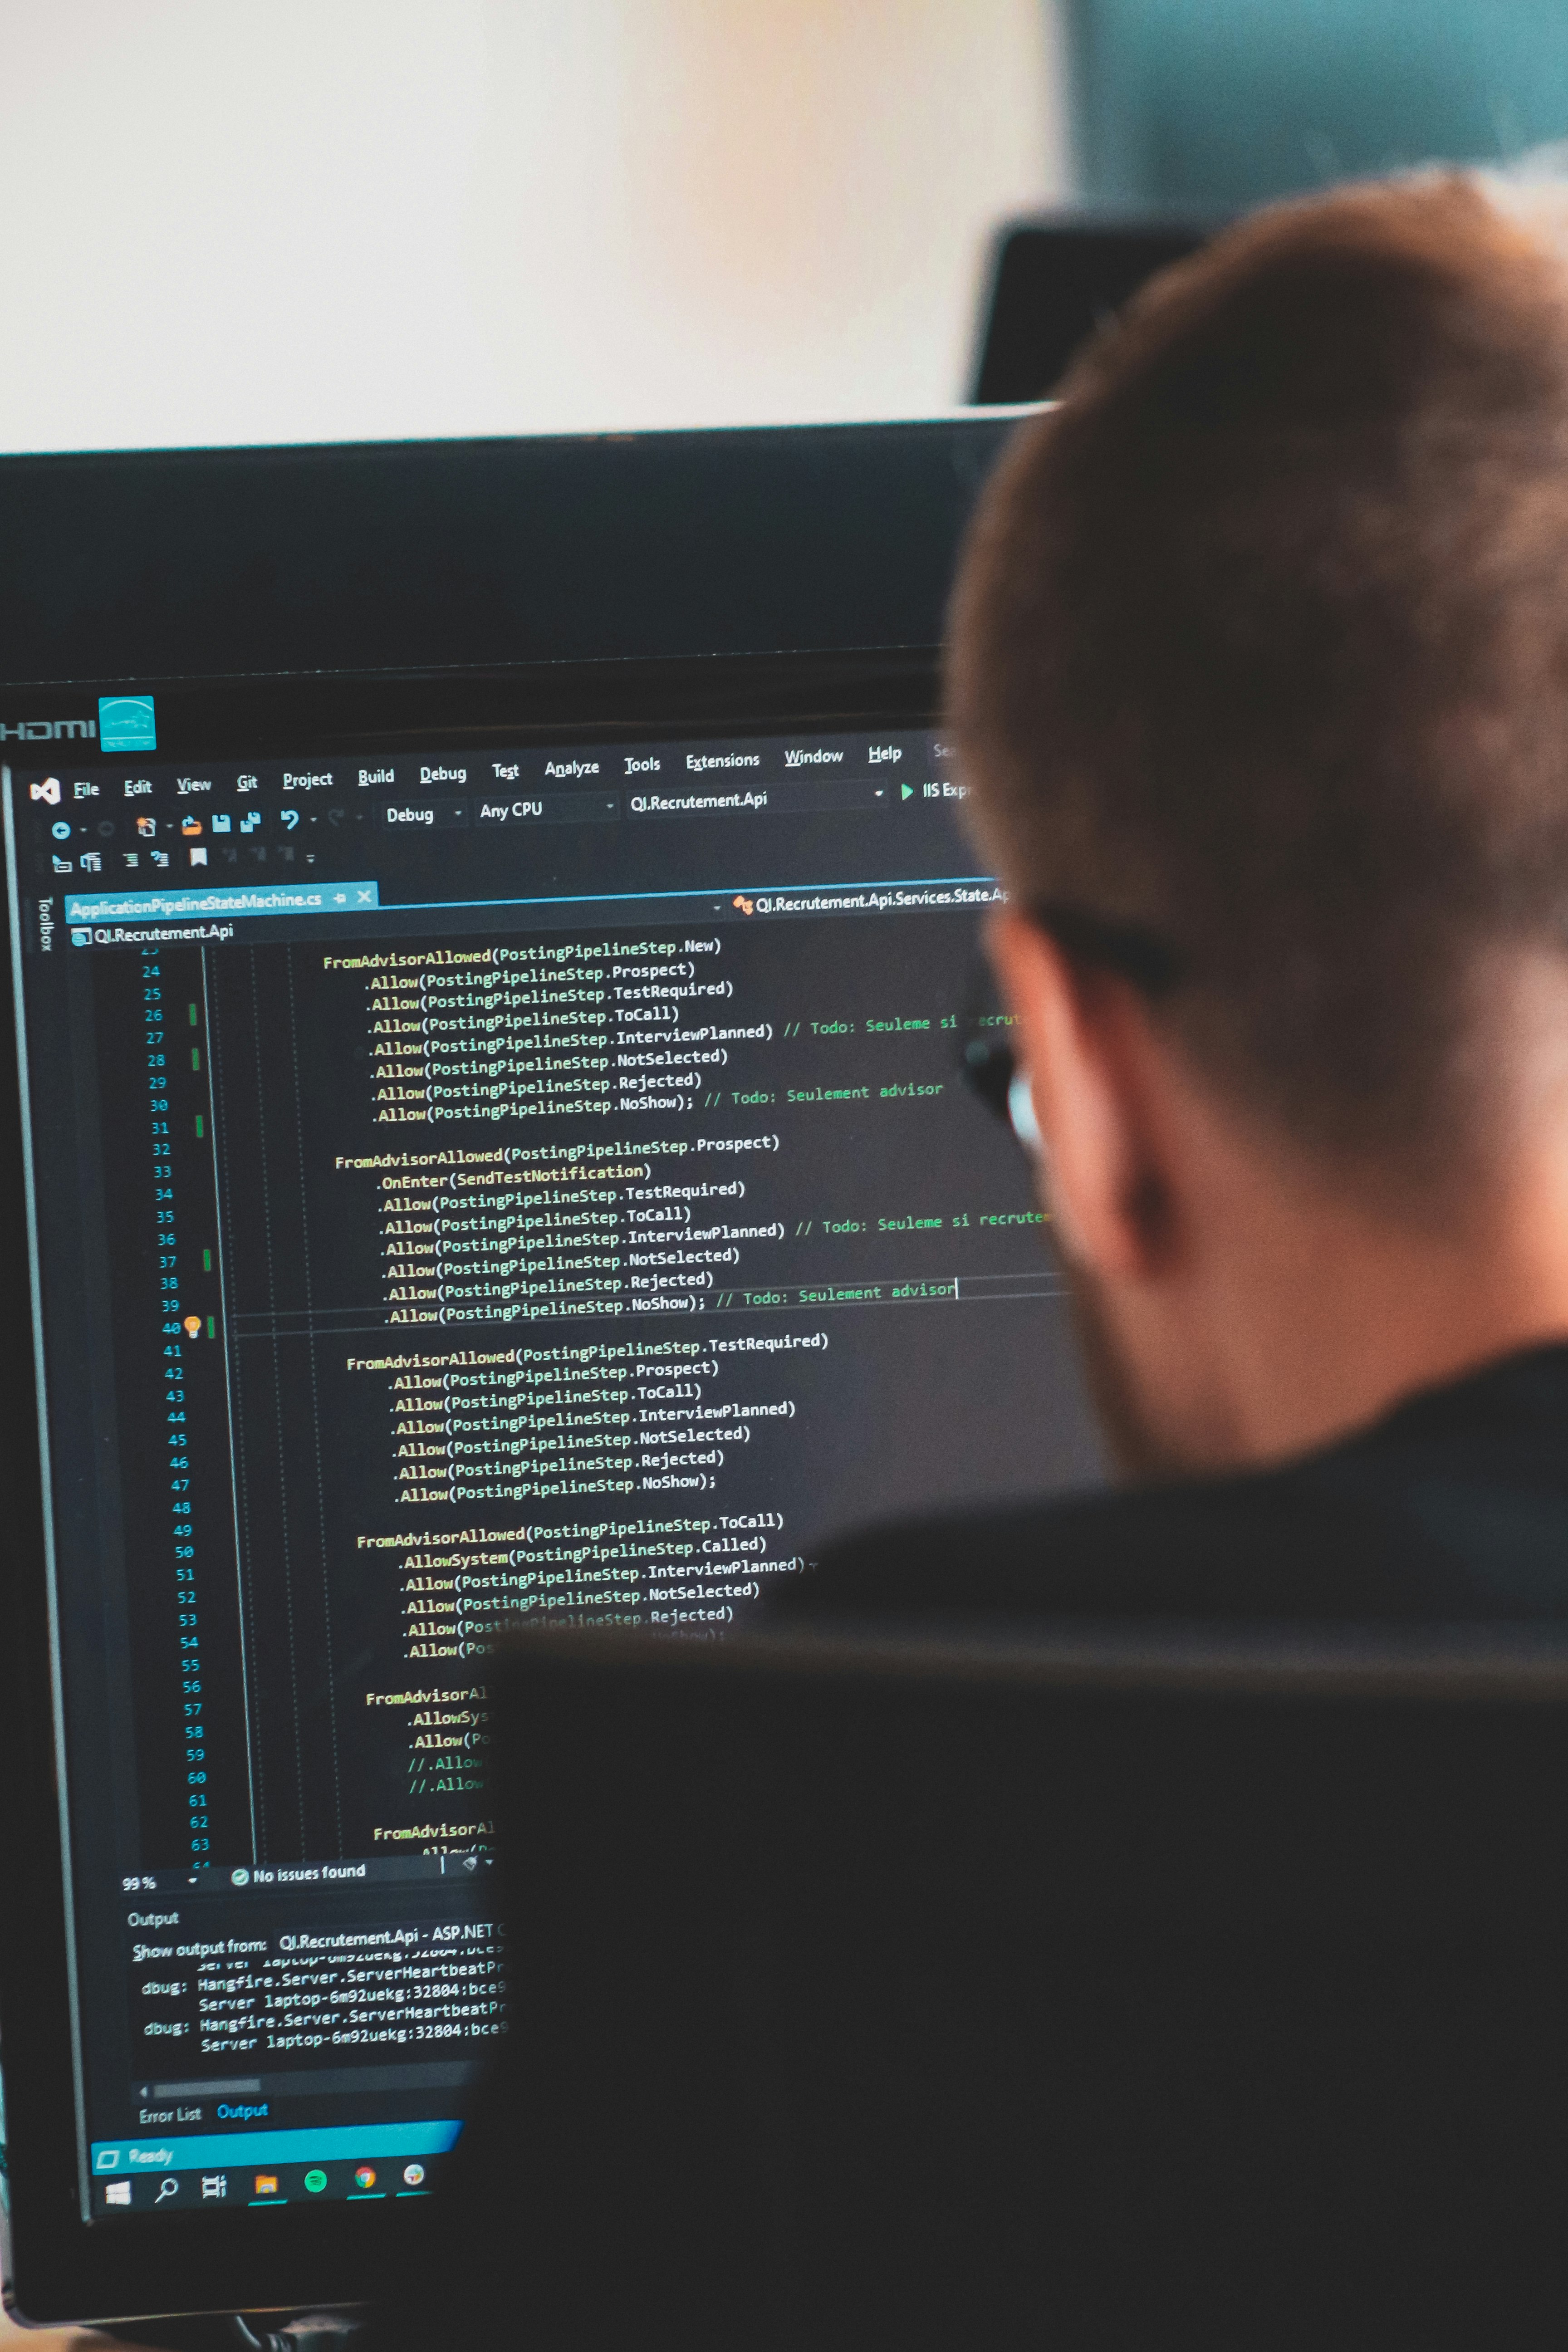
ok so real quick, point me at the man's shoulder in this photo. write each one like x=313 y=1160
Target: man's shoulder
x=1221 y=1550
x=1456 y=1504
x=1286 y=1545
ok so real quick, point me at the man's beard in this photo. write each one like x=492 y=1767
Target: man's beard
x=1136 y=1447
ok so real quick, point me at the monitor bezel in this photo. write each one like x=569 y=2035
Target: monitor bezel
x=59 y=2268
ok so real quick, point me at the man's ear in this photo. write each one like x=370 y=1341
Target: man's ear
x=1085 y=1040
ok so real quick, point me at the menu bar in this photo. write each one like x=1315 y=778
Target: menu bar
x=579 y=779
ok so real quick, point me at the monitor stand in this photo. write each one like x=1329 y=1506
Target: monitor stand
x=313 y=2331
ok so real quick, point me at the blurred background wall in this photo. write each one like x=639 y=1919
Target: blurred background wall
x=317 y=219
x=1200 y=104
x=355 y=219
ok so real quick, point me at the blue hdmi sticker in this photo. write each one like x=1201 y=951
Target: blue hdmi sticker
x=125 y=723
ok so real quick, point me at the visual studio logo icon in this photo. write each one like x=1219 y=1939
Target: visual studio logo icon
x=126 y=723
x=49 y=791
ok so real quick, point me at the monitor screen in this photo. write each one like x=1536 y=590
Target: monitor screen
x=479 y=1165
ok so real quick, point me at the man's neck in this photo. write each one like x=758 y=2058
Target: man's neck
x=1351 y=1325
x=1313 y=1315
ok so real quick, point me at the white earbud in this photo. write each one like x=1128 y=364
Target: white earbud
x=1021 y=1114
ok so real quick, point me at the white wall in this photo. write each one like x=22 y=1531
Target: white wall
x=315 y=219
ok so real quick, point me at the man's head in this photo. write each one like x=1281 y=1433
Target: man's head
x=1259 y=674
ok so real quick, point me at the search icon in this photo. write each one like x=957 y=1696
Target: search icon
x=167 y=2187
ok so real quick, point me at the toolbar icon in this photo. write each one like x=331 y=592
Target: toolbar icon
x=190 y=825
x=316 y=2181
x=267 y=2184
x=412 y=2175
x=49 y=791
x=365 y=2178
x=117 y=2192
x=147 y=826
x=214 y=2184
x=250 y=820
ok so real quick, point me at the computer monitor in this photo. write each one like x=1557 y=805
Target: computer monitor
x=1055 y=279
x=476 y=1146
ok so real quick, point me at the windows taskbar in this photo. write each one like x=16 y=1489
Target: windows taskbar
x=219 y=2170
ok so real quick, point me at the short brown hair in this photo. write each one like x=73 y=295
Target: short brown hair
x=1260 y=643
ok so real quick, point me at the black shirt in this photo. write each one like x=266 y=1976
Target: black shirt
x=1455 y=1505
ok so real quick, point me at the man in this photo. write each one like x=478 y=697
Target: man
x=1260 y=673
x=1260 y=670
